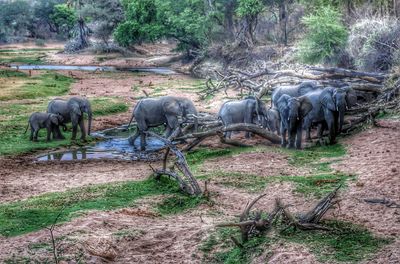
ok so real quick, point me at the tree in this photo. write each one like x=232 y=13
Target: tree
x=64 y=19
x=249 y=11
x=104 y=16
x=326 y=36
x=15 y=18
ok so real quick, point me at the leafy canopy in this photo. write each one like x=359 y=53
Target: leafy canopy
x=326 y=36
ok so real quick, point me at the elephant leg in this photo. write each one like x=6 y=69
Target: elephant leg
x=133 y=138
x=57 y=133
x=291 y=138
x=299 y=136
x=31 y=136
x=142 y=141
x=49 y=129
x=82 y=127
x=320 y=132
x=283 y=136
x=167 y=132
x=35 y=135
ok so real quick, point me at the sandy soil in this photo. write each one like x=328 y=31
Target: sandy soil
x=373 y=155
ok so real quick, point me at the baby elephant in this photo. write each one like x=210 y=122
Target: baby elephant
x=43 y=120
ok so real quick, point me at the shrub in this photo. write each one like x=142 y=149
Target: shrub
x=326 y=36
x=374 y=43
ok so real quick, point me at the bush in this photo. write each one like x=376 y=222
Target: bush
x=374 y=43
x=326 y=37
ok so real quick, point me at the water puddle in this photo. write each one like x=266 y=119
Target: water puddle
x=155 y=70
x=114 y=145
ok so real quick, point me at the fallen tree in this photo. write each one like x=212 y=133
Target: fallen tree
x=256 y=222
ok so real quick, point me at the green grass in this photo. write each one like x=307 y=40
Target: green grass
x=219 y=248
x=14 y=120
x=24 y=56
x=179 y=203
x=347 y=243
x=108 y=106
x=35 y=213
x=319 y=182
x=44 y=85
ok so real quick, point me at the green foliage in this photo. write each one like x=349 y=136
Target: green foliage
x=64 y=18
x=346 y=243
x=148 y=20
x=249 y=7
x=15 y=19
x=326 y=36
x=35 y=213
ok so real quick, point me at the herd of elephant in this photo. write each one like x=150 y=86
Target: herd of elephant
x=59 y=113
x=293 y=109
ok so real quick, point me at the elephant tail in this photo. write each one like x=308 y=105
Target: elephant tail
x=133 y=113
x=26 y=128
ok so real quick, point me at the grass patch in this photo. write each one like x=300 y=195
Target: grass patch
x=14 y=120
x=218 y=247
x=322 y=180
x=347 y=243
x=108 y=106
x=179 y=203
x=25 y=87
x=35 y=213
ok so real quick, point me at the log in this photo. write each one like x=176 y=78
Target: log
x=189 y=182
x=235 y=127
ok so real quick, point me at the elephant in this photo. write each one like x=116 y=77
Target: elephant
x=294 y=91
x=165 y=110
x=329 y=107
x=39 y=120
x=292 y=112
x=249 y=110
x=273 y=120
x=72 y=110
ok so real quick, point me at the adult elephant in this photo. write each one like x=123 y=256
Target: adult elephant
x=249 y=110
x=165 y=110
x=294 y=91
x=72 y=111
x=292 y=112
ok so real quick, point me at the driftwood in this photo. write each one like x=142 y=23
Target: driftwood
x=252 y=223
x=186 y=180
x=200 y=136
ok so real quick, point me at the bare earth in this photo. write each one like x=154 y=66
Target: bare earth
x=138 y=234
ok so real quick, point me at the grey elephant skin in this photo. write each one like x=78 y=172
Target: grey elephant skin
x=165 y=110
x=273 y=120
x=43 y=120
x=294 y=91
x=292 y=112
x=329 y=107
x=72 y=110
x=249 y=110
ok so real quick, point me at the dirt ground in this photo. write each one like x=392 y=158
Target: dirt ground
x=373 y=156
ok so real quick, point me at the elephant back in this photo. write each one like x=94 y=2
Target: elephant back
x=59 y=106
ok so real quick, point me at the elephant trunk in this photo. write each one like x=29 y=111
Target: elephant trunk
x=89 y=122
x=341 y=119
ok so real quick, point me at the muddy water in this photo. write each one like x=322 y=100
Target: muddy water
x=155 y=70
x=114 y=145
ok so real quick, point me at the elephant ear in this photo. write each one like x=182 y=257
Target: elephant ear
x=326 y=98
x=351 y=97
x=172 y=107
x=305 y=106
